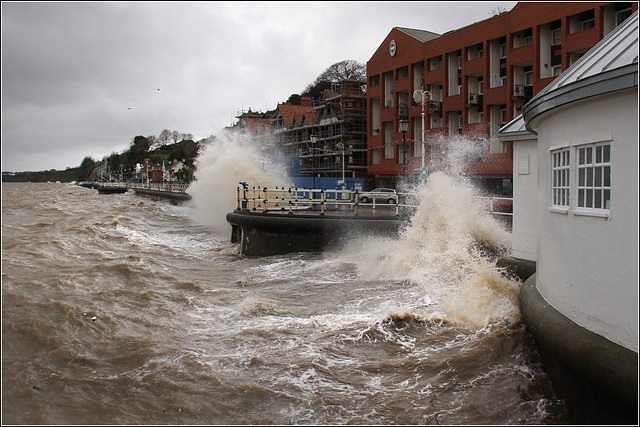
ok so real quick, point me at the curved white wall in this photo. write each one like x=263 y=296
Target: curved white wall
x=524 y=235
x=587 y=266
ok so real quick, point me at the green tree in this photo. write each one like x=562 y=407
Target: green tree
x=86 y=167
x=315 y=91
x=139 y=150
x=295 y=99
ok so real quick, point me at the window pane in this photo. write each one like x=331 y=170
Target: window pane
x=589 y=155
x=589 y=177
x=581 y=177
x=560 y=177
x=598 y=199
x=607 y=176
x=607 y=198
x=581 y=198
x=599 y=154
x=582 y=156
x=589 y=202
x=598 y=182
x=607 y=153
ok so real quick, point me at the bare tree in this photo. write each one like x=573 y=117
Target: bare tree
x=348 y=69
x=176 y=136
x=165 y=136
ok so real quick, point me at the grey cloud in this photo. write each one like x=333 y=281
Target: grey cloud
x=71 y=71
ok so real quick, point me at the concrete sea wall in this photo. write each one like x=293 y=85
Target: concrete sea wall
x=597 y=377
x=264 y=234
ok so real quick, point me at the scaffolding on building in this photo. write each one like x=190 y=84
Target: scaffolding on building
x=338 y=121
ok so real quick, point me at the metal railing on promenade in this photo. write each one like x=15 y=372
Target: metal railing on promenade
x=303 y=199
x=168 y=187
x=294 y=200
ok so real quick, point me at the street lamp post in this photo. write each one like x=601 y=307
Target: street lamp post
x=146 y=161
x=424 y=95
x=340 y=145
x=313 y=140
x=403 y=124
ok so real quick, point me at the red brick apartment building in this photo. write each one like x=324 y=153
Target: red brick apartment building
x=479 y=78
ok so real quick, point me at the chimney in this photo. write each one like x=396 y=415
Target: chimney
x=306 y=101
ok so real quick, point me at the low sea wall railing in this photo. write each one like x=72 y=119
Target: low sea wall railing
x=303 y=199
x=167 y=187
x=292 y=200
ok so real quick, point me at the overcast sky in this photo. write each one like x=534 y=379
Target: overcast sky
x=83 y=79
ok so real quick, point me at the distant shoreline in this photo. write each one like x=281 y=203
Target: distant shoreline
x=67 y=175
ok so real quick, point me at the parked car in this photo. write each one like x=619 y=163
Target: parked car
x=503 y=204
x=384 y=195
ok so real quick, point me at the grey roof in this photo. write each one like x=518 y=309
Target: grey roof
x=610 y=65
x=515 y=130
x=422 y=35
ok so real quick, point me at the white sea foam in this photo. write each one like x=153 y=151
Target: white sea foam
x=448 y=251
x=227 y=160
x=443 y=251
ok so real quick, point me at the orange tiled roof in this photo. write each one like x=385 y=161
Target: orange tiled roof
x=289 y=112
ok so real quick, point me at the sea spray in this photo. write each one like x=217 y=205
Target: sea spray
x=448 y=250
x=226 y=161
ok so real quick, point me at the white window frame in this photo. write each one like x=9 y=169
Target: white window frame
x=622 y=15
x=589 y=23
x=593 y=179
x=503 y=116
x=580 y=178
x=560 y=179
x=528 y=78
x=556 y=37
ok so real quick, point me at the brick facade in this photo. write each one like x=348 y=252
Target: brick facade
x=479 y=76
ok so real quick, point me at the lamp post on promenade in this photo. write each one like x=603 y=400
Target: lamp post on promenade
x=340 y=146
x=424 y=96
x=313 y=140
x=403 y=125
x=146 y=161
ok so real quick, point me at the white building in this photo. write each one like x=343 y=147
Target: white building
x=576 y=216
x=524 y=233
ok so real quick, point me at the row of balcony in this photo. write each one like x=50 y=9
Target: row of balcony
x=519 y=91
